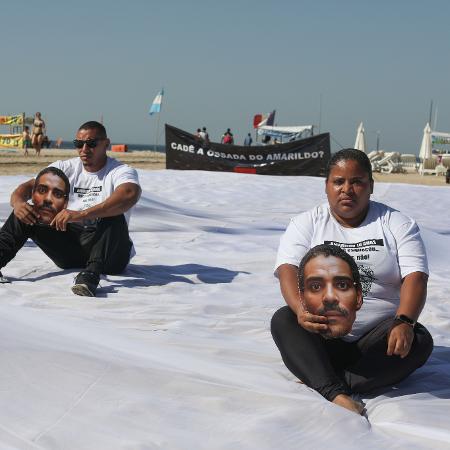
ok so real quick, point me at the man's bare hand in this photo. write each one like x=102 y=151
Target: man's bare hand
x=25 y=213
x=311 y=322
x=400 y=340
x=64 y=217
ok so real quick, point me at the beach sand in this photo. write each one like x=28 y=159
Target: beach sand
x=15 y=163
x=410 y=178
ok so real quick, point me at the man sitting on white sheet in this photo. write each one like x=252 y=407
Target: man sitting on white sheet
x=92 y=231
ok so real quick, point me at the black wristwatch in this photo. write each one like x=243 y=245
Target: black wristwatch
x=405 y=319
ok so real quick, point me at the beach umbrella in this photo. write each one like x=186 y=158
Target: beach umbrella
x=425 y=149
x=360 y=142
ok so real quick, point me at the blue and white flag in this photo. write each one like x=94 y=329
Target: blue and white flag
x=156 y=105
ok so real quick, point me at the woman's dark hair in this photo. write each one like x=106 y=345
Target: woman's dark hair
x=327 y=250
x=350 y=154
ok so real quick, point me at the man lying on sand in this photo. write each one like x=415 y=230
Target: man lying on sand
x=90 y=229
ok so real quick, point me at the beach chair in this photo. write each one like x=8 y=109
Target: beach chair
x=393 y=164
x=374 y=157
x=374 y=154
x=409 y=162
x=390 y=163
x=392 y=167
x=446 y=161
x=428 y=167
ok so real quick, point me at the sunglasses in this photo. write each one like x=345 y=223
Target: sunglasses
x=91 y=143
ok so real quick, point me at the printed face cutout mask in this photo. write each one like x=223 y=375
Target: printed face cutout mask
x=330 y=291
x=49 y=197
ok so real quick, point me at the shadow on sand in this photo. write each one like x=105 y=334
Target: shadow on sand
x=158 y=275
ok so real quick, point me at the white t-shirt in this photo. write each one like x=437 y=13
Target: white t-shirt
x=91 y=188
x=386 y=247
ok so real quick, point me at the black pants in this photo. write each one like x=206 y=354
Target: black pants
x=102 y=249
x=334 y=366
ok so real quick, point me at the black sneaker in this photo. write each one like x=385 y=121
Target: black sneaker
x=86 y=284
x=3 y=279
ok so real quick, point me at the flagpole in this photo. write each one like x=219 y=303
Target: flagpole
x=431 y=112
x=320 y=112
x=157 y=131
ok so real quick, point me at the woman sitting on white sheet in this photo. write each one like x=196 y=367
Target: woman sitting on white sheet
x=386 y=343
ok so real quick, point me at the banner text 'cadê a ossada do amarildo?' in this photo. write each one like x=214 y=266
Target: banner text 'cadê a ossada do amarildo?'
x=309 y=156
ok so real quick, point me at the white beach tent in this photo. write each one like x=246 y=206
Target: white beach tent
x=360 y=142
x=426 y=149
x=427 y=164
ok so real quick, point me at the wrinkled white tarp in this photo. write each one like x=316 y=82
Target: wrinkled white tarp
x=176 y=353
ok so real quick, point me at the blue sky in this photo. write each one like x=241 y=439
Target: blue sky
x=222 y=62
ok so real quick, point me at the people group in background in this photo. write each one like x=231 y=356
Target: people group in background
x=202 y=136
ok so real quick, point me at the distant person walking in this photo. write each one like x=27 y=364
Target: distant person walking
x=227 y=137
x=26 y=138
x=38 y=133
x=248 y=140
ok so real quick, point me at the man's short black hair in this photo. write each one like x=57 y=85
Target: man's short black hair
x=327 y=250
x=97 y=126
x=350 y=154
x=55 y=171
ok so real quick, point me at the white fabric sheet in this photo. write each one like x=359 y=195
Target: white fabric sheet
x=176 y=353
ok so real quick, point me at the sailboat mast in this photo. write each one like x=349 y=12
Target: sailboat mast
x=431 y=112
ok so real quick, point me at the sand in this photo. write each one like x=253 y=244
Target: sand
x=410 y=178
x=15 y=163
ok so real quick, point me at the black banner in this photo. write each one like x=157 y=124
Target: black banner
x=308 y=156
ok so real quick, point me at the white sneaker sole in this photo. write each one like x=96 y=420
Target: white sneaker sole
x=82 y=289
